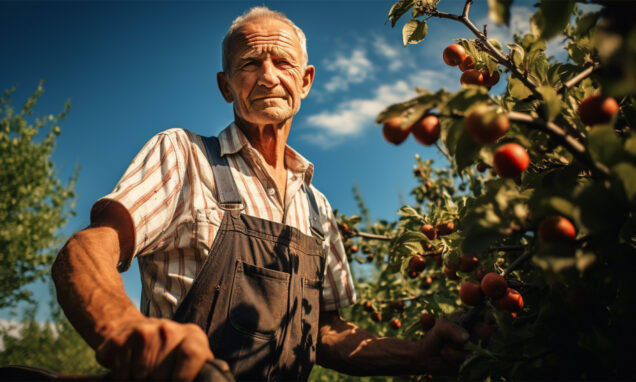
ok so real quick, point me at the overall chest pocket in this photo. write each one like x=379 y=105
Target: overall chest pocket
x=258 y=301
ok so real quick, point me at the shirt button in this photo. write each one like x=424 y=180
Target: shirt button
x=271 y=191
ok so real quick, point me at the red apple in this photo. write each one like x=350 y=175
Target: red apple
x=445 y=228
x=556 y=228
x=472 y=77
x=454 y=54
x=429 y=231
x=596 y=109
x=467 y=263
x=426 y=130
x=417 y=263
x=491 y=79
x=393 y=130
x=494 y=285
x=468 y=63
x=511 y=301
x=486 y=126
x=510 y=160
x=396 y=323
x=470 y=293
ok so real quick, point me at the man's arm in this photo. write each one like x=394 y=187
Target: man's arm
x=92 y=294
x=345 y=347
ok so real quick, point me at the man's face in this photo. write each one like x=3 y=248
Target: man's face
x=267 y=79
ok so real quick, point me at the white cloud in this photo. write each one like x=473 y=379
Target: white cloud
x=351 y=118
x=390 y=52
x=352 y=69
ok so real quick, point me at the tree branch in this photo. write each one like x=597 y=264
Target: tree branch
x=578 y=78
x=373 y=236
x=494 y=52
x=575 y=147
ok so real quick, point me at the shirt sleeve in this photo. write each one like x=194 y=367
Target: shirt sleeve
x=338 y=288
x=148 y=190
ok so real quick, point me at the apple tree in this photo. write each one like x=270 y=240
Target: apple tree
x=528 y=237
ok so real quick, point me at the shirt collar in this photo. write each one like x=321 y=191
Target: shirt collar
x=232 y=141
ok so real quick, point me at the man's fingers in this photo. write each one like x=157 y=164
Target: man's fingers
x=450 y=331
x=188 y=359
x=453 y=355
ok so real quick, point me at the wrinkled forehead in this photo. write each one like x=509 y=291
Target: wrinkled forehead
x=266 y=35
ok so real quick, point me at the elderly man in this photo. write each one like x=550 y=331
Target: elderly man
x=238 y=252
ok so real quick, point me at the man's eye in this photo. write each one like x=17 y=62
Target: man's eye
x=249 y=65
x=284 y=64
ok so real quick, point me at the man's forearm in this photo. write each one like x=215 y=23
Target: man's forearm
x=350 y=349
x=89 y=288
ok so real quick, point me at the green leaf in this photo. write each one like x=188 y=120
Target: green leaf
x=414 y=31
x=626 y=173
x=605 y=146
x=552 y=17
x=398 y=9
x=517 y=53
x=551 y=104
x=517 y=89
x=467 y=151
x=499 y=11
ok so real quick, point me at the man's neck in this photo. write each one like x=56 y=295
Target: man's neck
x=269 y=140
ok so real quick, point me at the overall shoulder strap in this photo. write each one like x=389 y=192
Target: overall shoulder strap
x=229 y=197
x=314 y=216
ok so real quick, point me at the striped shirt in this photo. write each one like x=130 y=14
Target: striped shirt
x=170 y=194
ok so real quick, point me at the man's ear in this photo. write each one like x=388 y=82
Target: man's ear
x=224 y=86
x=308 y=79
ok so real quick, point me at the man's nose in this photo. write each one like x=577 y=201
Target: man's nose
x=268 y=74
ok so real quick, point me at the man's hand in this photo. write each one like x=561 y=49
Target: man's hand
x=441 y=349
x=155 y=349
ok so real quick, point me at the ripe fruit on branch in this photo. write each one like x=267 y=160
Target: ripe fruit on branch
x=426 y=282
x=481 y=167
x=480 y=273
x=445 y=228
x=368 y=306
x=494 y=285
x=510 y=160
x=370 y=257
x=470 y=293
x=595 y=110
x=354 y=248
x=472 y=77
x=454 y=54
x=393 y=130
x=426 y=130
x=485 y=125
x=468 y=63
x=427 y=321
x=491 y=79
x=396 y=323
x=417 y=263
x=450 y=274
x=397 y=305
x=376 y=316
x=429 y=231
x=468 y=262
x=511 y=301
x=556 y=228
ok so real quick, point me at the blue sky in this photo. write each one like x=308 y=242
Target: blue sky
x=133 y=69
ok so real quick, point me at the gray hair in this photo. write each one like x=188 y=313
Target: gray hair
x=258 y=13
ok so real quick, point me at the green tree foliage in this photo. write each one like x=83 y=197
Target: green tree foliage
x=34 y=203
x=576 y=320
x=52 y=345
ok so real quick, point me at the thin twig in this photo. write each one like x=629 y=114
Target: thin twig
x=578 y=78
x=373 y=236
x=518 y=261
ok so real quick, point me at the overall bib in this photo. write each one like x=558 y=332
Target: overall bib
x=257 y=295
